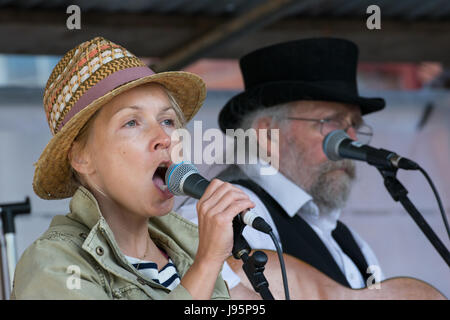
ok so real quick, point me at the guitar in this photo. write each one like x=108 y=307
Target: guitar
x=308 y=283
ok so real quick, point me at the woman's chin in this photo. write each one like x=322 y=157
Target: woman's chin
x=161 y=208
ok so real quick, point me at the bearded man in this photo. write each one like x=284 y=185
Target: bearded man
x=306 y=89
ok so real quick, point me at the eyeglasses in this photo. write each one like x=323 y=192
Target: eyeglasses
x=364 y=132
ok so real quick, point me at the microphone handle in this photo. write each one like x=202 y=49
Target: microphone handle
x=194 y=185
x=380 y=158
x=347 y=149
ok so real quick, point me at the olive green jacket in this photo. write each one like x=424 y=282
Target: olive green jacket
x=78 y=258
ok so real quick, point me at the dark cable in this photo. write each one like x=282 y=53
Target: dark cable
x=441 y=208
x=283 y=268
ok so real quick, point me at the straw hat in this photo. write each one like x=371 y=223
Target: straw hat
x=86 y=78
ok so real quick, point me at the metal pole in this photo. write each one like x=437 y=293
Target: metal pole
x=256 y=18
x=11 y=254
x=7 y=212
x=3 y=295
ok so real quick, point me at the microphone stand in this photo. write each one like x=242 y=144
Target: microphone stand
x=253 y=265
x=399 y=193
x=8 y=211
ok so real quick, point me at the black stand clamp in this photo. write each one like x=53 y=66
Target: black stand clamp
x=399 y=193
x=253 y=265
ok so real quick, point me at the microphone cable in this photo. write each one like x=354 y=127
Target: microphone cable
x=280 y=252
x=282 y=266
x=197 y=189
x=438 y=199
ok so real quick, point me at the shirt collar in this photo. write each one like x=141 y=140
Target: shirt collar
x=326 y=222
x=290 y=196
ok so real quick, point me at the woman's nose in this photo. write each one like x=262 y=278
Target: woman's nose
x=161 y=139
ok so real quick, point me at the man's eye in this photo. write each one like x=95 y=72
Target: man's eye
x=131 y=123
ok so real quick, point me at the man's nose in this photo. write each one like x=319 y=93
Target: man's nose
x=351 y=131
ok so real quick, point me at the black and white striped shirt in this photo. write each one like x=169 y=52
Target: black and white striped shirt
x=167 y=276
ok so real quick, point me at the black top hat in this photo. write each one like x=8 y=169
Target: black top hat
x=309 y=69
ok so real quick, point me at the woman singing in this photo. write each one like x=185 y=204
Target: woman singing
x=112 y=118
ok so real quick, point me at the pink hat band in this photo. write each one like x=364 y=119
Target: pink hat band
x=104 y=86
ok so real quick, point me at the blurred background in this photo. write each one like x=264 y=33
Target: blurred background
x=407 y=62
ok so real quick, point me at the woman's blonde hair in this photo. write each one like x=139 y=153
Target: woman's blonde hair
x=83 y=136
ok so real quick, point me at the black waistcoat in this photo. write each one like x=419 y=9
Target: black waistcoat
x=301 y=241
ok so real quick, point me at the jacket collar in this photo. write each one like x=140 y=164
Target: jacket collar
x=176 y=235
x=84 y=208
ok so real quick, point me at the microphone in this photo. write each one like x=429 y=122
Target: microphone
x=183 y=179
x=337 y=145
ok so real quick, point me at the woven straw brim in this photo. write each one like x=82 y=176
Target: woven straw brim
x=53 y=175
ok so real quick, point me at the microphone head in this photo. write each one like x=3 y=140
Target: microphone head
x=332 y=142
x=176 y=174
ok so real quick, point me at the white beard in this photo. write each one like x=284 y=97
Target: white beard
x=329 y=190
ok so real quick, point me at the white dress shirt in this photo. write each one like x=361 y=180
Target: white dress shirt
x=293 y=200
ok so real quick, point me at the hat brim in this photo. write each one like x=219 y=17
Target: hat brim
x=274 y=93
x=53 y=177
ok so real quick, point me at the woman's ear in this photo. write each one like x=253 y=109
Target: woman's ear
x=80 y=160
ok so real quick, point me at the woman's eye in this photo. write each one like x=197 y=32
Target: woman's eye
x=168 y=122
x=131 y=123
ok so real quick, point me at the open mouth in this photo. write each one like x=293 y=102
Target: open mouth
x=160 y=175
